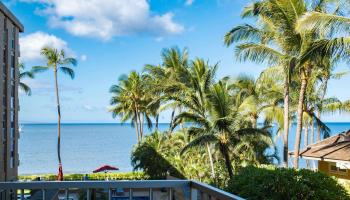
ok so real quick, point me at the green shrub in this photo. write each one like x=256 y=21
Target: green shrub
x=98 y=176
x=345 y=184
x=280 y=183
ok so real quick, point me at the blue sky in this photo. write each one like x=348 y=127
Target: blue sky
x=112 y=37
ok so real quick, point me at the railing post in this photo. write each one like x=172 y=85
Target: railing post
x=88 y=194
x=170 y=193
x=67 y=193
x=22 y=194
x=109 y=193
x=194 y=194
x=44 y=194
x=130 y=194
x=150 y=194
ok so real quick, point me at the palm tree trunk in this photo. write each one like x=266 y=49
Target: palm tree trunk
x=157 y=122
x=136 y=124
x=60 y=178
x=318 y=127
x=319 y=109
x=141 y=124
x=224 y=152
x=171 y=120
x=286 y=121
x=181 y=124
x=306 y=142
x=254 y=121
x=313 y=141
x=299 y=121
x=138 y=129
x=312 y=131
x=211 y=162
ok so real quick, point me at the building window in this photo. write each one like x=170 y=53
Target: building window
x=12 y=102
x=13 y=65
x=333 y=168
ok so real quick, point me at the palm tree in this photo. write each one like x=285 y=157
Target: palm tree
x=130 y=101
x=265 y=43
x=171 y=78
x=288 y=48
x=260 y=97
x=58 y=62
x=338 y=47
x=222 y=125
x=24 y=74
x=194 y=98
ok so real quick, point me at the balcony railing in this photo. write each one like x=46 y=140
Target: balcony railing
x=113 y=190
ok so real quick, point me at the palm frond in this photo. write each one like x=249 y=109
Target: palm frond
x=243 y=32
x=325 y=130
x=68 y=71
x=25 y=88
x=203 y=139
x=258 y=53
x=38 y=69
x=323 y=22
x=26 y=74
x=69 y=62
x=327 y=48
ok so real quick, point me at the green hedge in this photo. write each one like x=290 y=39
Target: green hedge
x=280 y=183
x=98 y=176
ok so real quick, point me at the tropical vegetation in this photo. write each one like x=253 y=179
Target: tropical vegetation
x=220 y=125
x=93 y=176
x=222 y=130
x=23 y=74
x=269 y=182
x=283 y=37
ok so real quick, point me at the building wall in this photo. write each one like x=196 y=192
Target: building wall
x=324 y=166
x=9 y=79
x=9 y=104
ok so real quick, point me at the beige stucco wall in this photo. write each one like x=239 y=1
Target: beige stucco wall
x=323 y=166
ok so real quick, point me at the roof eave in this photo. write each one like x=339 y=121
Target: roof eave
x=12 y=17
x=324 y=159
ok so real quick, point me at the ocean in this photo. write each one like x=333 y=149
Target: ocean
x=85 y=147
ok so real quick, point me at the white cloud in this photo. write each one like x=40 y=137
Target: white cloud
x=189 y=2
x=32 y=44
x=83 y=57
x=105 y=19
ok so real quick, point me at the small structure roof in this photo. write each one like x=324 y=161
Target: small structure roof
x=335 y=148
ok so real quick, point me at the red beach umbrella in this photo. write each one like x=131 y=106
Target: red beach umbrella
x=105 y=168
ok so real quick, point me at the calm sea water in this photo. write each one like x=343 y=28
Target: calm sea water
x=85 y=147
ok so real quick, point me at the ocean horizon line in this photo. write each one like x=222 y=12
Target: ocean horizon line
x=128 y=123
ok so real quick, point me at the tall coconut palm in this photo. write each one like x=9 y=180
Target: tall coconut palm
x=221 y=126
x=22 y=75
x=260 y=97
x=339 y=47
x=172 y=77
x=130 y=100
x=265 y=43
x=57 y=61
x=194 y=99
x=282 y=16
